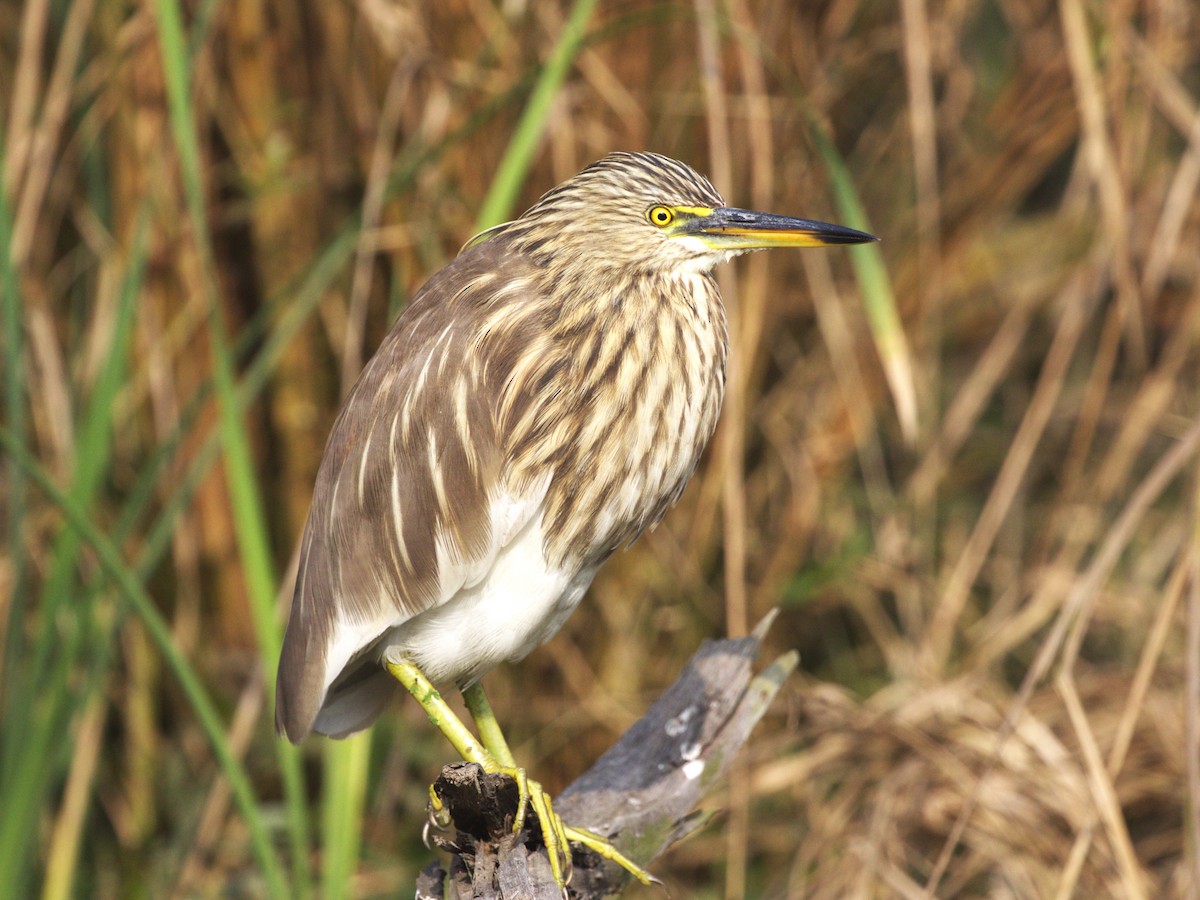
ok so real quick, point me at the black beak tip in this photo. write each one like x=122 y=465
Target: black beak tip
x=850 y=236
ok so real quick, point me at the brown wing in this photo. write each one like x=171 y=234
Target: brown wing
x=400 y=511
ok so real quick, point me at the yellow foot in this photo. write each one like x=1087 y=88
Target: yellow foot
x=557 y=835
x=492 y=753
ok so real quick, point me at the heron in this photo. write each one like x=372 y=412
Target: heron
x=542 y=401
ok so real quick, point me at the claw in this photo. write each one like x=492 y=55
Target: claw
x=439 y=816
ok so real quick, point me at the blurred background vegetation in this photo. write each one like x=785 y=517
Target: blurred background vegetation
x=963 y=461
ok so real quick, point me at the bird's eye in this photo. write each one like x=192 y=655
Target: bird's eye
x=661 y=215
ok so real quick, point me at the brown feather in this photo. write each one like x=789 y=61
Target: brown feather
x=354 y=558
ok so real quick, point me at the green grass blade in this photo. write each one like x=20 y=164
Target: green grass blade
x=518 y=156
x=249 y=518
x=12 y=339
x=875 y=288
x=19 y=824
x=346 y=764
x=134 y=595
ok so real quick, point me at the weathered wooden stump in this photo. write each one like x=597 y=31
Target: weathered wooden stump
x=641 y=794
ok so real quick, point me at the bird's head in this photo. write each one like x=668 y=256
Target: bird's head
x=643 y=211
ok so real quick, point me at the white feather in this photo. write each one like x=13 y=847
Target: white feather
x=517 y=604
x=478 y=615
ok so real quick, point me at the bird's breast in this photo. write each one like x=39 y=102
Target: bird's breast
x=641 y=390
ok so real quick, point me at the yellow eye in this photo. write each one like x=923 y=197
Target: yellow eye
x=661 y=215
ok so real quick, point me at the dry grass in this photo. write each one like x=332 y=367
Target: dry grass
x=992 y=580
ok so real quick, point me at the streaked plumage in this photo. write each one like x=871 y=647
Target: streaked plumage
x=542 y=401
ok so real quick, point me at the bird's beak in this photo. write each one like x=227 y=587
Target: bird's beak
x=727 y=228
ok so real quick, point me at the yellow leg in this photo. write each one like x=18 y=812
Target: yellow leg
x=493 y=754
x=440 y=713
x=489 y=729
x=553 y=829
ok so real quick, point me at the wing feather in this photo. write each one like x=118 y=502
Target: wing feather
x=408 y=504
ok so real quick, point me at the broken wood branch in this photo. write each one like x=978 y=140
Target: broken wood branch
x=641 y=794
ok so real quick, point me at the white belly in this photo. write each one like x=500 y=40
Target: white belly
x=519 y=604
